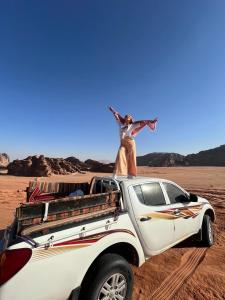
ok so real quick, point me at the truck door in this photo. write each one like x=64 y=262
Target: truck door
x=154 y=226
x=186 y=213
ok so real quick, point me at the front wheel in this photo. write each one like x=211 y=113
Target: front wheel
x=111 y=279
x=207 y=231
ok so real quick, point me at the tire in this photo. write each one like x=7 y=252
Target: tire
x=207 y=231
x=111 y=278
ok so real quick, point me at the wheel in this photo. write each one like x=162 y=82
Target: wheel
x=111 y=278
x=207 y=231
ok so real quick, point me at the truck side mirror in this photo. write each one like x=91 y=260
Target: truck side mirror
x=193 y=198
x=182 y=198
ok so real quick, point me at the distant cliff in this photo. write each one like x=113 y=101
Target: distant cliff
x=161 y=159
x=211 y=157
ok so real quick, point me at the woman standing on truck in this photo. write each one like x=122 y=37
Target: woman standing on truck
x=126 y=157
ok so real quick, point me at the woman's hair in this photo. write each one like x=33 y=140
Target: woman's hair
x=129 y=116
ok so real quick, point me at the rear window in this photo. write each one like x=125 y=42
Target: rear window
x=104 y=186
x=150 y=194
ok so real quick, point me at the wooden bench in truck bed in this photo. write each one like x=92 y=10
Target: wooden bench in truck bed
x=41 y=216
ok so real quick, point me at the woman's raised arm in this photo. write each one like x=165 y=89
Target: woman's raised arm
x=117 y=116
x=138 y=125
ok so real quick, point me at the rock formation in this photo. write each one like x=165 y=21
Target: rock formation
x=42 y=166
x=160 y=159
x=4 y=160
x=211 y=157
x=96 y=166
x=80 y=164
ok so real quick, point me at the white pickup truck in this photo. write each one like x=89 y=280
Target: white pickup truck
x=81 y=247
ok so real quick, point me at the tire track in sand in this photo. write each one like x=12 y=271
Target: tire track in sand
x=174 y=281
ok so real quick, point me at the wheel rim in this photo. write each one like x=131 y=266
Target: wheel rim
x=210 y=232
x=114 y=288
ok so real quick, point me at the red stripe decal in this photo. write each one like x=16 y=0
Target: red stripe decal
x=90 y=239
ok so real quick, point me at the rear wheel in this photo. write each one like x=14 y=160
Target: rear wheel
x=110 y=279
x=207 y=231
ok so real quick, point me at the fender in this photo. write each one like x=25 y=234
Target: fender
x=207 y=210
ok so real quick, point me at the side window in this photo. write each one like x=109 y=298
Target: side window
x=150 y=194
x=174 y=193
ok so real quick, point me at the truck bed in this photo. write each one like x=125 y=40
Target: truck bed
x=31 y=217
x=50 y=208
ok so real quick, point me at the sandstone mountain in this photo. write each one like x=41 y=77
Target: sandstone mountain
x=161 y=159
x=211 y=157
x=45 y=166
x=96 y=166
x=41 y=166
x=76 y=162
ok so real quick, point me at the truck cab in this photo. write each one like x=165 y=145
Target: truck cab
x=163 y=213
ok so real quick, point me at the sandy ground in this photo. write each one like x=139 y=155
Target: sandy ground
x=184 y=272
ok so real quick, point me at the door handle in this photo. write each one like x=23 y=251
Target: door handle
x=143 y=219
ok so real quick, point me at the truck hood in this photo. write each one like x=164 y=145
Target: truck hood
x=202 y=200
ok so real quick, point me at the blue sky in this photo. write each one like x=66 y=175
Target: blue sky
x=63 y=62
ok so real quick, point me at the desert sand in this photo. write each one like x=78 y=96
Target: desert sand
x=185 y=272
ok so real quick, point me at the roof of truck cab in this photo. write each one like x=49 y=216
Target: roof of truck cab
x=137 y=179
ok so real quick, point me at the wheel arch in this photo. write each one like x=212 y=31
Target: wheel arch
x=124 y=249
x=209 y=212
